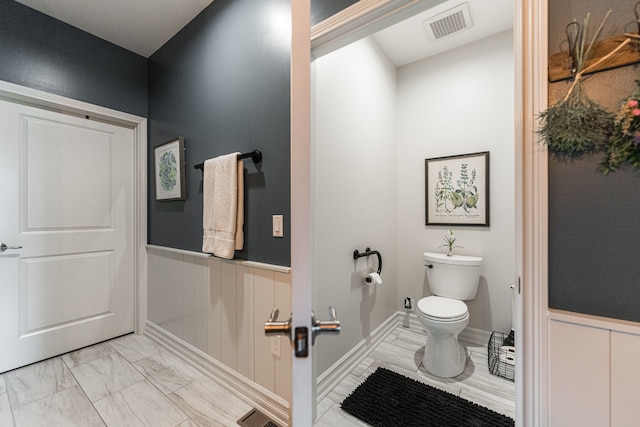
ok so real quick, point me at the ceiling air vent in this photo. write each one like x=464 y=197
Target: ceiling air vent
x=448 y=23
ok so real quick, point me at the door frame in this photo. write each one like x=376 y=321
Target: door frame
x=531 y=53
x=530 y=57
x=25 y=95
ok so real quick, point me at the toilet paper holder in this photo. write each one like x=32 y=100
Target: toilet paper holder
x=357 y=254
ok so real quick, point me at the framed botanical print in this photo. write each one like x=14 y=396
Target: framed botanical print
x=457 y=190
x=169 y=170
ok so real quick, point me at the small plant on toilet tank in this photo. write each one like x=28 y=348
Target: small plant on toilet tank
x=450 y=242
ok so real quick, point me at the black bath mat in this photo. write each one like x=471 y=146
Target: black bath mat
x=388 y=399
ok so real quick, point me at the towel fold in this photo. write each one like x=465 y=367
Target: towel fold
x=223 y=206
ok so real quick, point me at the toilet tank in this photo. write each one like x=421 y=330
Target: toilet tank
x=454 y=276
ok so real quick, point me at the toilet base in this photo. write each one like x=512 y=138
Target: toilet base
x=444 y=357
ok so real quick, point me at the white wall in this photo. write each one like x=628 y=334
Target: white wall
x=354 y=186
x=460 y=102
x=374 y=126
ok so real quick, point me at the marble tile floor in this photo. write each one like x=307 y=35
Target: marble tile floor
x=129 y=381
x=402 y=352
x=132 y=381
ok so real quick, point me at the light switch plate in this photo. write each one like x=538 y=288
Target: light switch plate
x=278 y=225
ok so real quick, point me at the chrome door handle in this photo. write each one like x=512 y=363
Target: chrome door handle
x=322 y=326
x=4 y=247
x=273 y=326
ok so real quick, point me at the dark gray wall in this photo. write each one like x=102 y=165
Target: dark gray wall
x=223 y=83
x=322 y=9
x=594 y=220
x=43 y=53
x=593 y=239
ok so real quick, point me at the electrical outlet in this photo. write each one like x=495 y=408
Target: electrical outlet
x=275 y=346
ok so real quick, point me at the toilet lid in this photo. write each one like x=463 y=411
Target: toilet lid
x=442 y=308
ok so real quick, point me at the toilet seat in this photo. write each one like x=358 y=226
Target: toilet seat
x=442 y=309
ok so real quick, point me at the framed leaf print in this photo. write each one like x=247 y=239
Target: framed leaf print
x=169 y=170
x=457 y=190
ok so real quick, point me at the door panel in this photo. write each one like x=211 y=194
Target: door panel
x=71 y=154
x=66 y=191
x=62 y=289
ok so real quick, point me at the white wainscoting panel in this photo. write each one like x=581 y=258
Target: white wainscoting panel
x=228 y=310
x=272 y=290
x=578 y=375
x=215 y=309
x=219 y=307
x=282 y=363
x=197 y=302
x=244 y=322
x=264 y=292
x=625 y=379
x=594 y=374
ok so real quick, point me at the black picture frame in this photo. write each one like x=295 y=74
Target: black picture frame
x=169 y=170
x=457 y=190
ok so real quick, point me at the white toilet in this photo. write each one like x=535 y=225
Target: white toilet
x=444 y=315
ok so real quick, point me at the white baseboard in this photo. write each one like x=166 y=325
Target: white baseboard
x=408 y=319
x=339 y=370
x=269 y=403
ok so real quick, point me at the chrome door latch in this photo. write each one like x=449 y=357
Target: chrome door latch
x=273 y=326
x=4 y=247
x=322 y=326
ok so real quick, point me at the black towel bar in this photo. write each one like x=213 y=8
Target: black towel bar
x=255 y=155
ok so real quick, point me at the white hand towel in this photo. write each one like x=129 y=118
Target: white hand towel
x=240 y=212
x=222 y=202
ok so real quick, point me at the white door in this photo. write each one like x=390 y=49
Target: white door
x=66 y=198
x=304 y=382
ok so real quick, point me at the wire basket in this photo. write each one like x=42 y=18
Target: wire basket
x=501 y=356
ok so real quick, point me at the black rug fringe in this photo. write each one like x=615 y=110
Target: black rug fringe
x=387 y=399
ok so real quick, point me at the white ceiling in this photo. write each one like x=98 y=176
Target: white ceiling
x=143 y=26
x=408 y=42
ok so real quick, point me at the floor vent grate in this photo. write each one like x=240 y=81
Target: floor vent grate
x=255 y=418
